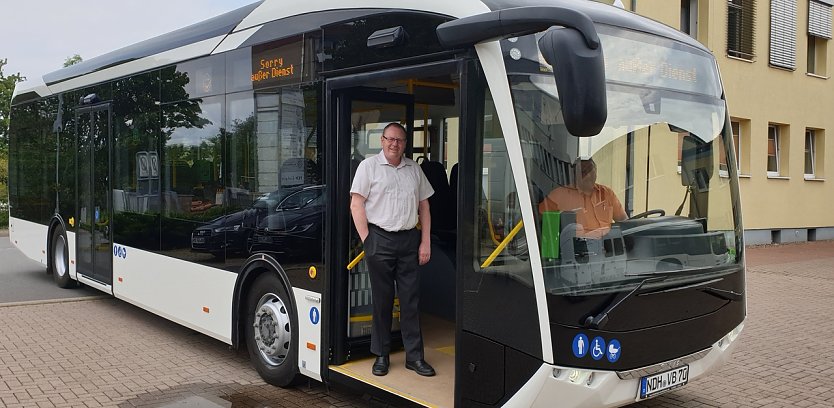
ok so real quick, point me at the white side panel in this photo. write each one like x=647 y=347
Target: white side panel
x=183 y=53
x=73 y=271
x=30 y=238
x=193 y=295
x=272 y=10
x=309 y=332
x=606 y=388
x=233 y=41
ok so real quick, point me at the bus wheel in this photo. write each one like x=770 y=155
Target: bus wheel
x=60 y=259
x=271 y=331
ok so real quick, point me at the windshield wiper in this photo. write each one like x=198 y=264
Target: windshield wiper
x=599 y=320
x=724 y=294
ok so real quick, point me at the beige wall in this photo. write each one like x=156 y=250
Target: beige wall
x=758 y=95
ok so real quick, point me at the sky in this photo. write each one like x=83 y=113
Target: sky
x=36 y=37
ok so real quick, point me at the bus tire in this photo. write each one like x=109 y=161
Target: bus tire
x=60 y=259
x=272 y=331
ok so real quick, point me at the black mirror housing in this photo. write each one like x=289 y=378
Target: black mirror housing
x=580 y=79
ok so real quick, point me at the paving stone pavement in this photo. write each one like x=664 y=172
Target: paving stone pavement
x=104 y=352
x=784 y=359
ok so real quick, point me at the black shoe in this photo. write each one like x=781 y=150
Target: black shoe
x=420 y=367
x=380 y=365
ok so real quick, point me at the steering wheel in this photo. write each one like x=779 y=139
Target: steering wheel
x=646 y=214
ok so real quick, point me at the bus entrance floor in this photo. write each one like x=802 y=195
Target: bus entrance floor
x=439 y=349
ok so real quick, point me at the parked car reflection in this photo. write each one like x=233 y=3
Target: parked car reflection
x=295 y=227
x=233 y=233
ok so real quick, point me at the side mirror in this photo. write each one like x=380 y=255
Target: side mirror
x=574 y=51
x=580 y=79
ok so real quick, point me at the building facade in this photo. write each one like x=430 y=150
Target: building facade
x=775 y=59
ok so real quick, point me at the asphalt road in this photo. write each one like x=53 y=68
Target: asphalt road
x=24 y=280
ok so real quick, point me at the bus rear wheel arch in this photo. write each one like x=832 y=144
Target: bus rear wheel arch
x=271 y=330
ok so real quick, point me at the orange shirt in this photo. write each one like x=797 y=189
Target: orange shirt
x=594 y=211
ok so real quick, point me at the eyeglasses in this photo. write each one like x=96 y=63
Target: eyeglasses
x=394 y=140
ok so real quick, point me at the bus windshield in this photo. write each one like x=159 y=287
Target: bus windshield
x=653 y=193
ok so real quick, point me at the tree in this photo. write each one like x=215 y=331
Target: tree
x=4 y=179
x=72 y=60
x=7 y=84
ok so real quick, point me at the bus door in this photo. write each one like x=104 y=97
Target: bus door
x=93 y=224
x=426 y=99
x=361 y=116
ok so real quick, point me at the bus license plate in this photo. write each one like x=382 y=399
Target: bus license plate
x=662 y=382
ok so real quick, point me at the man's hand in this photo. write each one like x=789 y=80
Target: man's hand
x=425 y=252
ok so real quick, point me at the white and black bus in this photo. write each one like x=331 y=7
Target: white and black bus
x=204 y=175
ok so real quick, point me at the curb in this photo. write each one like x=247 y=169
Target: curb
x=50 y=301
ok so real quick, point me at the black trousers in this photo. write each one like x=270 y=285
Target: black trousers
x=393 y=257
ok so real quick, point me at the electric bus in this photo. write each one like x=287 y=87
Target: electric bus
x=204 y=176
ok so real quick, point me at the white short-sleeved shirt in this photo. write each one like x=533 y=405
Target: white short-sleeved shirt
x=392 y=194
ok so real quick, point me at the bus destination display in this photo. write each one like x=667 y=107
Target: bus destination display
x=277 y=63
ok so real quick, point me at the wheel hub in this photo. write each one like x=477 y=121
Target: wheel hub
x=59 y=259
x=273 y=331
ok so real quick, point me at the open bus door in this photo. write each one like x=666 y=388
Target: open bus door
x=426 y=100
x=361 y=116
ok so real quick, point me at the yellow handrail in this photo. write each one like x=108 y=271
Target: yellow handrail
x=502 y=245
x=356 y=260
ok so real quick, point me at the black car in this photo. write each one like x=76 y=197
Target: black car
x=295 y=227
x=233 y=233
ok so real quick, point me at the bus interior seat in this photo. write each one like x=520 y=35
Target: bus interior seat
x=441 y=218
x=453 y=185
x=438 y=275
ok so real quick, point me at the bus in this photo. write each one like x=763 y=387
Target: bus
x=204 y=176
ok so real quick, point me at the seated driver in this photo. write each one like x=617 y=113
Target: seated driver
x=596 y=206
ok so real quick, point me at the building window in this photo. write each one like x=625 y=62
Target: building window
x=817 y=55
x=723 y=167
x=810 y=154
x=819 y=32
x=777 y=146
x=741 y=142
x=741 y=28
x=689 y=17
x=783 y=33
x=737 y=143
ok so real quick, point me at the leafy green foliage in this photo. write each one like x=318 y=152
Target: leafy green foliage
x=72 y=60
x=7 y=84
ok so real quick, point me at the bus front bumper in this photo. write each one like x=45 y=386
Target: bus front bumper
x=571 y=387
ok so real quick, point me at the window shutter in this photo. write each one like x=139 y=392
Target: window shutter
x=741 y=23
x=819 y=18
x=783 y=33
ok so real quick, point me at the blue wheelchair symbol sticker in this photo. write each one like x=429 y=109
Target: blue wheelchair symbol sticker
x=613 y=352
x=314 y=315
x=580 y=345
x=598 y=348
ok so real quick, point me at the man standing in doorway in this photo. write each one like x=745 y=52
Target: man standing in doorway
x=388 y=196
